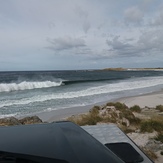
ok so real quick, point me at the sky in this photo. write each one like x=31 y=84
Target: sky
x=80 y=34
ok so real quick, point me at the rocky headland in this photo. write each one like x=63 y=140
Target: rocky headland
x=12 y=121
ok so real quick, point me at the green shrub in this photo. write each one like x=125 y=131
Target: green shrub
x=109 y=119
x=135 y=121
x=120 y=106
x=130 y=116
x=94 y=110
x=161 y=152
x=160 y=108
x=114 y=115
x=135 y=108
x=124 y=124
x=146 y=127
x=159 y=137
x=151 y=125
x=92 y=118
x=110 y=104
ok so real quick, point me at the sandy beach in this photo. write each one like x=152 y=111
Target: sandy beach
x=150 y=100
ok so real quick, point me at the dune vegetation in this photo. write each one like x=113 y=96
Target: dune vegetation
x=129 y=119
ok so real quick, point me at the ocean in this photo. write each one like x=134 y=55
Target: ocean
x=31 y=92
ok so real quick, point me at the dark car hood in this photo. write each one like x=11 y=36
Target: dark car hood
x=60 y=140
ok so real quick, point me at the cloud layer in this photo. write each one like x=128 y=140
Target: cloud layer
x=65 y=43
x=89 y=34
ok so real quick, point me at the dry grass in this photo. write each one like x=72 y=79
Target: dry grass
x=117 y=105
x=154 y=124
x=92 y=118
x=126 y=130
x=149 y=153
x=116 y=116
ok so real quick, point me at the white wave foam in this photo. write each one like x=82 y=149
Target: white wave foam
x=107 y=88
x=8 y=115
x=49 y=109
x=8 y=87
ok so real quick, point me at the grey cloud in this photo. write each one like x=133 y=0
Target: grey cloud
x=79 y=11
x=149 y=43
x=133 y=15
x=25 y=25
x=65 y=43
x=158 y=20
x=152 y=40
x=117 y=44
x=86 y=26
x=83 y=15
x=51 y=25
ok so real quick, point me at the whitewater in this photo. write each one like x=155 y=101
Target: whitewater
x=28 y=93
x=27 y=85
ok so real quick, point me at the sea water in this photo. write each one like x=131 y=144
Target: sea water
x=27 y=93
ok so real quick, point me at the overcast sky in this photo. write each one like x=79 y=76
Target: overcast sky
x=80 y=34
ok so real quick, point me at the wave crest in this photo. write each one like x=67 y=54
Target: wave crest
x=8 y=87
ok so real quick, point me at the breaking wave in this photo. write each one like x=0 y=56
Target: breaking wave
x=28 y=85
x=8 y=87
x=103 y=89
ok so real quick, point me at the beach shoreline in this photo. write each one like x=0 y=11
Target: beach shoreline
x=150 y=100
